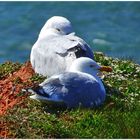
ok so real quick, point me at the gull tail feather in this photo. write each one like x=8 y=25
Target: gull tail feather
x=37 y=90
x=38 y=94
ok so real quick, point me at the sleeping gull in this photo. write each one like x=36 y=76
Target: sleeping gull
x=60 y=25
x=78 y=86
x=57 y=47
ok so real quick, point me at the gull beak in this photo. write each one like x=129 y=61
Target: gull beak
x=105 y=68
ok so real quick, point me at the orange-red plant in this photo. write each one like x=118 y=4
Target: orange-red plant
x=10 y=87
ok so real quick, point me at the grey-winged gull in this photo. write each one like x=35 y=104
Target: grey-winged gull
x=57 y=47
x=61 y=25
x=78 y=86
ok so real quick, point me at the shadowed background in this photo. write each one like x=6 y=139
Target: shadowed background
x=110 y=27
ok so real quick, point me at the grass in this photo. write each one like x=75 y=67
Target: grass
x=7 y=68
x=119 y=117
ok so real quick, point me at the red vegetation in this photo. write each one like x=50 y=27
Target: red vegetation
x=10 y=87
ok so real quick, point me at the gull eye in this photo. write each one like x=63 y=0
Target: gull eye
x=58 y=29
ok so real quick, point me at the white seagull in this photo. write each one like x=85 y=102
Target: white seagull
x=57 y=47
x=78 y=86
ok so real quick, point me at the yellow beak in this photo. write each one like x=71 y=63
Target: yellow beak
x=105 y=68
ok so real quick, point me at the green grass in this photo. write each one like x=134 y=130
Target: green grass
x=7 y=68
x=119 y=117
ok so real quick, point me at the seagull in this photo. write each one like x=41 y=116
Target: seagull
x=80 y=86
x=58 y=25
x=57 y=47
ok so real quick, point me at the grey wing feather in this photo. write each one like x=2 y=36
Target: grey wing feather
x=58 y=44
x=73 y=88
x=83 y=45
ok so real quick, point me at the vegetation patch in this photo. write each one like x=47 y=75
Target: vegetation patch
x=118 y=117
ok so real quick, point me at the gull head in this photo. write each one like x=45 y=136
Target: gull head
x=89 y=66
x=56 y=25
